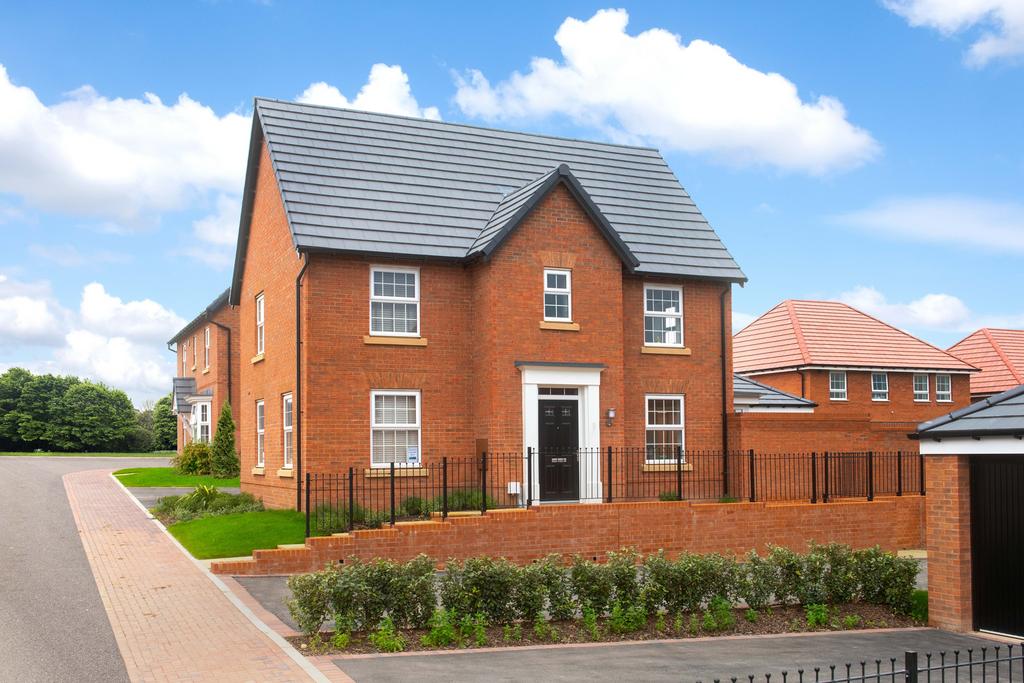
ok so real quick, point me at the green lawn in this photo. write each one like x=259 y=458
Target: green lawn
x=48 y=454
x=166 y=476
x=239 y=534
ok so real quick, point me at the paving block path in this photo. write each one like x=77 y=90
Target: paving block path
x=170 y=620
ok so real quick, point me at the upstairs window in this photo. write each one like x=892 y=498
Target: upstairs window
x=943 y=388
x=558 y=295
x=921 y=391
x=206 y=348
x=260 y=316
x=395 y=430
x=663 y=316
x=665 y=431
x=286 y=421
x=879 y=386
x=837 y=385
x=260 y=433
x=394 y=302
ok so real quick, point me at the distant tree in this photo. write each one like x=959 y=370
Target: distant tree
x=165 y=426
x=12 y=383
x=224 y=457
x=37 y=409
x=93 y=417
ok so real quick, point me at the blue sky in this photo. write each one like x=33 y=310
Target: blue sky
x=899 y=192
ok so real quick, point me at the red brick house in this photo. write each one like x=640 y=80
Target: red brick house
x=409 y=290
x=207 y=351
x=1000 y=356
x=871 y=382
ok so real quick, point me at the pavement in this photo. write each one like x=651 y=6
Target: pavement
x=149 y=495
x=52 y=623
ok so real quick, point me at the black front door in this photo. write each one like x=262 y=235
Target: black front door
x=559 y=459
x=997 y=543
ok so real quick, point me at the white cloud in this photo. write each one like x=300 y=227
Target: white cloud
x=966 y=221
x=218 y=233
x=144 y=320
x=140 y=369
x=940 y=312
x=386 y=91
x=118 y=159
x=1000 y=22
x=29 y=314
x=651 y=88
x=70 y=256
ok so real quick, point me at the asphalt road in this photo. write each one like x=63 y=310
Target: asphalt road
x=52 y=623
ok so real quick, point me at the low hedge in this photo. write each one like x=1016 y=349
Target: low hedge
x=361 y=595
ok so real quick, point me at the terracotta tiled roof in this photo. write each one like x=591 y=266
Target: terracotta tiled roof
x=832 y=334
x=999 y=354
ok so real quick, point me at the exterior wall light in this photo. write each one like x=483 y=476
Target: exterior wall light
x=610 y=415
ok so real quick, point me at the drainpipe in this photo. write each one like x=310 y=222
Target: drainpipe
x=725 y=407
x=297 y=399
x=227 y=331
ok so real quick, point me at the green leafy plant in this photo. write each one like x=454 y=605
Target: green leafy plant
x=512 y=633
x=475 y=628
x=414 y=506
x=592 y=584
x=752 y=615
x=851 y=621
x=311 y=599
x=668 y=496
x=193 y=459
x=728 y=499
x=540 y=628
x=758 y=580
x=694 y=626
x=708 y=623
x=677 y=623
x=481 y=585
x=590 y=623
x=626 y=618
x=659 y=622
x=341 y=640
x=816 y=615
x=387 y=638
x=919 y=606
x=444 y=630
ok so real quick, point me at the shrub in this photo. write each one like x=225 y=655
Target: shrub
x=460 y=500
x=475 y=628
x=414 y=506
x=590 y=624
x=851 y=621
x=720 y=613
x=444 y=631
x=193 y=459
x=886 y=579
x=627 y=618
x=557 y=587
x=481 y=585
x=786 y=567
x=592 y=584
x=205 y=501
x=529 y=593
x=839 y=578
x=757 y=581
x=752 y=615
x=817 y=615
x=223 y=456
x=387 y=638
x=919 y=606
x=622 y=570
x=311 y=599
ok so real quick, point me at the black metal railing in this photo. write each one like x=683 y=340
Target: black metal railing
x=369 y=497
x=995 y=663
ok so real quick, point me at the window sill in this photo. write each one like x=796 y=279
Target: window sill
x=257 y=471
x=838 y=400
x=399 y=472
x=564 y=327
x=945 y=400
x=667 y=350
x=206 y=371
x=286 y=472
x=666 y=467
x=257 y=358
x=395 y=341
x=922 y=400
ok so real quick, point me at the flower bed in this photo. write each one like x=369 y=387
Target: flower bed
x=388 y=606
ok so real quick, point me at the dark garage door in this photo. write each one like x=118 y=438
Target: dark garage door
x=997 y=541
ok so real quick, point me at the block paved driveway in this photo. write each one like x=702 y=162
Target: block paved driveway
x=52 y=623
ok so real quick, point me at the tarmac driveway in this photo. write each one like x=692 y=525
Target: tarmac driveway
x=53 y=626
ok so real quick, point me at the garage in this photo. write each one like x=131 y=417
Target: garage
x=975 y=515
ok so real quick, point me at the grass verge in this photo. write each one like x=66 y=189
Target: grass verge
x=239 y=534
x=167 y=476
x=51 y=454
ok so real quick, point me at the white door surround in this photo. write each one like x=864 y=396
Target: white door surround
x=586 y=377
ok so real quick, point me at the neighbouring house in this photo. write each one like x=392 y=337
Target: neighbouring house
x=410 y=290
x=207 y=351
x=750 y=396
x=975 y=515
x=1000 y=356
x=870 y=382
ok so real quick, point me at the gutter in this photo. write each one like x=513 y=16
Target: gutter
x=297 y=399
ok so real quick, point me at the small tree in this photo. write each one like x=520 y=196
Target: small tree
x=224 y=458
x=165 y=425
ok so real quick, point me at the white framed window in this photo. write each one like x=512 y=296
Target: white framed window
x=663 y=315
x=922 y=392
x=206 y=348
x=286 y=429
x=943 y=389
x=195 y=352
x=395 y=428
x=260 y=317
x=261 y=427
x=201 y=422
x=184 y=359
x=394 y=301
x=557 y=295
x=837 y=385
x=879 y=386
x=665 y=422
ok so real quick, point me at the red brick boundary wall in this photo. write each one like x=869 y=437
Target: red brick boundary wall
x=949 y=542
x=594 y=530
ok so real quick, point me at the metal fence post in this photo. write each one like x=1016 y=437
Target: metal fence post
x=444 y=487
x=529 y=476
x=679 y=472
x=307 y=504
x=753 y=496
x=814 y=477
x=910 y=666
x=899 y=473
x=392 y=494
x=351 y=499
x=609 y=474
x=871 y=475
x=483 y=482
x=920 y=471
x=824 y=497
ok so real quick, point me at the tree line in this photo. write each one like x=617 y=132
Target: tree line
x=68 y=414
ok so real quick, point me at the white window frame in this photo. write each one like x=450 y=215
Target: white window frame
x=206 y=348
x=287 y=430
x=659 y=314
x=418 y=426
x=195 y=351
x=396 y=300
x=548 y=290
x=198 y=423
x=944 y=396
x=184 y=358
x=681 y=427
x=261 y=433
x=883 y=393
x=927 y=396
x=836 y=394
x=261 y=316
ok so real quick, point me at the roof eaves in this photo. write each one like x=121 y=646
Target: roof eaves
x=214 y=306
x=248 y=199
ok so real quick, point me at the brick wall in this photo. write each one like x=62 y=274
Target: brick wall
x=805 y=432
x=594 y=530
x=948 y=521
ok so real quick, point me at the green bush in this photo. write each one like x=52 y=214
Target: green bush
x=758 y=579
x=387 y=638
x=787 y=567
x=311 y=599
x=627 y=618
x=886 y=579
x=529 y=592
x=204 y=501
x=817 y=615
x=463 y=500
x=481 y=585
x=414 y=506
x=919 y=606
x=223 y=456
x=444 y=630
x=721 y=613
x=668 y=496
x=193 y=459
x=592 y=585
x=557 y=587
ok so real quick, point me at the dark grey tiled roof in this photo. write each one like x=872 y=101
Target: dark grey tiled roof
x=181 y=389
x=999 y=414
x=766 y=396
x=356 y=181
